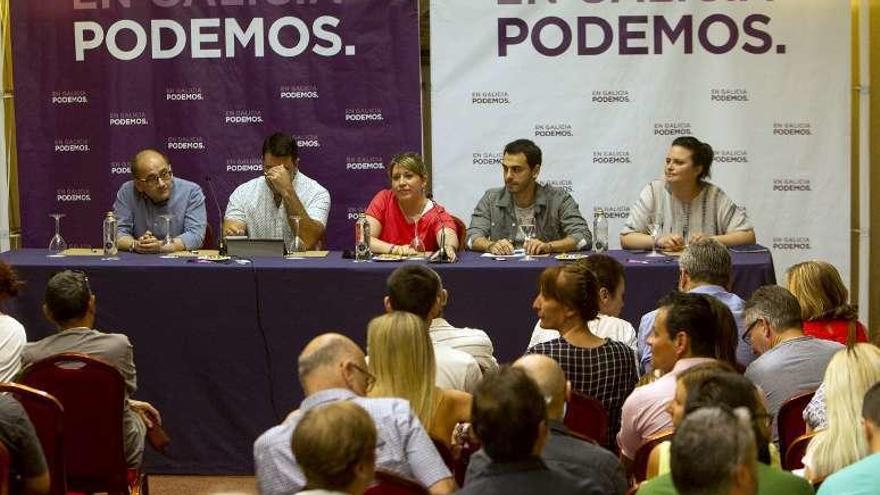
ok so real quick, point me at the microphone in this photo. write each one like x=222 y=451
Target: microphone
x=221 y=241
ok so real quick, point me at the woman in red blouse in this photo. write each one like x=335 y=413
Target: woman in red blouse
x=398 y=214
x=824 y=303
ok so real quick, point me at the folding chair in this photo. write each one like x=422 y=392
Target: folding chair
x=587 y=416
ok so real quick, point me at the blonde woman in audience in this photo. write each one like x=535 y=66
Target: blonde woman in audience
x=402 y=360
x=850 y=374
x=824 y=303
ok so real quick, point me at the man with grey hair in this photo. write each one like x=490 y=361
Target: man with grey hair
x=789 y=362
x=564 y=451
x=704 y=268
x=713 y=453
x=333 y=368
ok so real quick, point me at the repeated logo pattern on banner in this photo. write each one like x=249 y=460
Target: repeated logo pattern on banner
x=205 y=83
x=603 y=87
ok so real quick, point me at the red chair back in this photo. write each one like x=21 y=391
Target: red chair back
x=586 y=415
x=5 y=461
x=92 y=393
x=461 y=230
x=795 y=454
x=387 y=483
x=47 y=416
x=639 y=468
x=209 y=242
x=790 y=420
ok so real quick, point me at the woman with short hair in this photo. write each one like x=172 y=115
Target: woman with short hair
x=824 y=302
x=400 y=214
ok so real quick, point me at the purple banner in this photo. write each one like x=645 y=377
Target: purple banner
x=205 y=82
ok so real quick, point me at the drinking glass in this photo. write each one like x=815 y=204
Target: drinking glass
x=167 y=240
x=57 y=245
x=294 y=247
x=416 y=244
x=528 y=232
x=654 y=230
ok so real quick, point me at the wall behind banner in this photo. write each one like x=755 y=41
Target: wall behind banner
x=205 y=85
x=604 y=87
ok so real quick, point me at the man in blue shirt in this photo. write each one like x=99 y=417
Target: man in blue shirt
x=153 y=192
x=705 y=268
x=863 y=477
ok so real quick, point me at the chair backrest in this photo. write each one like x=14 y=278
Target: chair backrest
x=790 y=420
x=92 y=393
x=47 y=416
x=388 y=483
x=5 y=462
x=794 y=455
x=461 y=230
x=639 y=468
x=209 y=242
x=587 y=416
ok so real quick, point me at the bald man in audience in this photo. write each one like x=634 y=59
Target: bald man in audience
x=564 y=452
x=336 y=445
x=333 y=368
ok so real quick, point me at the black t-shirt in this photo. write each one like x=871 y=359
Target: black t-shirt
x=18 y=436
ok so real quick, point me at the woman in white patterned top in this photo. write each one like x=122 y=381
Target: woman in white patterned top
x=598 y=367
x=609 y=273
x=684 y=206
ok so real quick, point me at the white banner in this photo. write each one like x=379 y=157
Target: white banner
x=603 y=87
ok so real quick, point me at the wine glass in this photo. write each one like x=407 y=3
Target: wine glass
x=294 y=247
x=167 y=240
x=416 y=244
x=528 y=232
x=654 y=231
x=57 y=245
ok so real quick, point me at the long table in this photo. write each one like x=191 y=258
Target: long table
x=216 y=343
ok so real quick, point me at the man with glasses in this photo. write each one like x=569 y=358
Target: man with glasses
x=154 y=192
x=789 y=362
x=333 y=368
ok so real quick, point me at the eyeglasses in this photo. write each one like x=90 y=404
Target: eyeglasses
x=371 y=379
x=153 y=179
x=747 y=335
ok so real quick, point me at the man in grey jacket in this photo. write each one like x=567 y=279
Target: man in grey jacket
x=496 y=221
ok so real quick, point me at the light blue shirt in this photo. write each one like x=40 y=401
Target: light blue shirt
x=861 y=478
x=744 y=354
x=136 y=213
x=402 y=446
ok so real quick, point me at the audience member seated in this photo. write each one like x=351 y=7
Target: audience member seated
x=70 y=304
x=402 y=360
x=732 y=467
x=400 y=215
x=863 y=477
x=265 y=207
x=609 y=273
x=849 y=375
x=704 y=268
x=152 y=192
x=717 y=386
x=333 y=368
x=564 y=452
x=28 y=473
x=470 y=340
x=510 y=420
x=684 y=335
x=336 y=446
x=559 y=226
x=824 y=303
x=684 y=206
x=595 y=366
x=12 y=334
x=789 y=362
x=416 y=289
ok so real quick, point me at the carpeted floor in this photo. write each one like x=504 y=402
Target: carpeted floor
x=202 y=485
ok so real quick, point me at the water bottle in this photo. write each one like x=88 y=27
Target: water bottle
x=109 y=235
x=600 y=231
x=362 y=238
